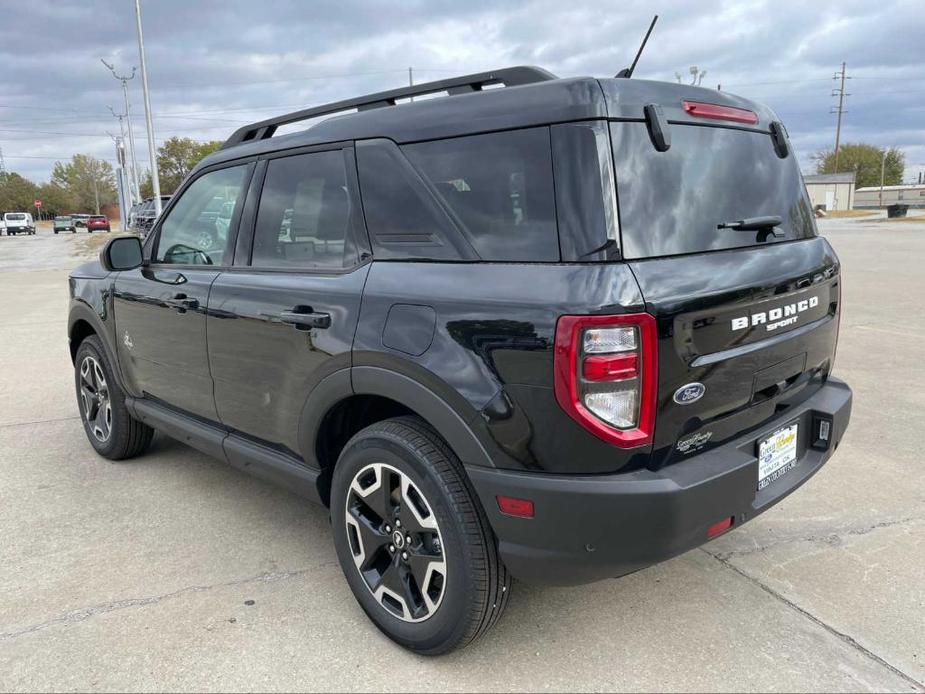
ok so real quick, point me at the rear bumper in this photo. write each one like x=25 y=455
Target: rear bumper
x=587 y=528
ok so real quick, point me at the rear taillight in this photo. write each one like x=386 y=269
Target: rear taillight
x=700 y=109
x=607 y=374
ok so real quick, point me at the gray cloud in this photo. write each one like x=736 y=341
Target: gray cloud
x=215 y=65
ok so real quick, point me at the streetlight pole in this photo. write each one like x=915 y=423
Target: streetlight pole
x=128 y=118
x=149 y=121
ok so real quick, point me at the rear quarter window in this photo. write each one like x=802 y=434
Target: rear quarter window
x=499 y=187
x=672 y=202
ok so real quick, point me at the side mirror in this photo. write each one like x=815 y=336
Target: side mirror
x=122 y=253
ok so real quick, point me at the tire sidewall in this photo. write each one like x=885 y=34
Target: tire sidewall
x=448 y=623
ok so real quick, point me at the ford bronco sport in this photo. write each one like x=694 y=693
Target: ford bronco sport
x=559 y=330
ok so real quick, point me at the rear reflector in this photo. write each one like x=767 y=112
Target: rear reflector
x=522 y=508
x=721 y=527
x=700 y=109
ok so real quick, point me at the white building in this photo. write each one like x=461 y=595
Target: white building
x=911 y=195
x=831 y=191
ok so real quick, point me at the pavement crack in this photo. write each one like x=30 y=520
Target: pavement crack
x=840 y=635
x=84 y=613
x=39 y=421
x=832 y=538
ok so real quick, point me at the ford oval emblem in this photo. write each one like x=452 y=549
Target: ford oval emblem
x=689 y=392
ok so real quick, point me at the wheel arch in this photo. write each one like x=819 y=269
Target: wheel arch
x=351 y=399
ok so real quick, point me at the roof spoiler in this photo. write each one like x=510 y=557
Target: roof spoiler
x=509 y=77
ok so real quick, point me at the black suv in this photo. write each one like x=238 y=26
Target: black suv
x=559 y=330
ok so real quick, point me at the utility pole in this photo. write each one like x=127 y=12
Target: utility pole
x=882 y=171
x=149 y=121
x=2 y=163
x=135 y=196
x=410 y=80
x=128 y=119
x=122 y=179
x=840 y=109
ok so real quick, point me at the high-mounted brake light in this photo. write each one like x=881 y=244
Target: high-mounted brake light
x=606 y=375
x=700 y=109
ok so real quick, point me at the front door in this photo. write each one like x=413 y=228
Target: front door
x=284 y=317
x=160 y=308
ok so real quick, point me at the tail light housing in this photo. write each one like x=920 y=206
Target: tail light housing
x=606 y=375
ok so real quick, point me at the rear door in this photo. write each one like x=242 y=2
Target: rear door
x=747 y=318
x=285 y=315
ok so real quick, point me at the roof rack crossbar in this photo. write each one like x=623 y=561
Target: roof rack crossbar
x=509 y=77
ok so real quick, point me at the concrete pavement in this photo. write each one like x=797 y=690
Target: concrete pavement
x=138 y=575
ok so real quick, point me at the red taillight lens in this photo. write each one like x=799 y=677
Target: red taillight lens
x=510 y=506
x=717 y=112
x=614 y=367
x=606 y=375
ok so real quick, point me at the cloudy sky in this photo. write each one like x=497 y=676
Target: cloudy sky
x=214 y=65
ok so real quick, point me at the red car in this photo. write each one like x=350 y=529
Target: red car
x=97 y=223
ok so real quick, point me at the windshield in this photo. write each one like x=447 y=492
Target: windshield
x=62 y=219
x=15 y=217
x=673 y=202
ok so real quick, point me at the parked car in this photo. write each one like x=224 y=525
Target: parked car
x=559 y=330
x=80 y=220
x=18 y=223
x=146 y=215
x=97 y=223
x=64 y=223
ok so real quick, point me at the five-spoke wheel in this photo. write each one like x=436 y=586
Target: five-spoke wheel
x=395 y=542
x=96 y=404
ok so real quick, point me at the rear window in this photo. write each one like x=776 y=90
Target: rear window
x=499 y=187
x=672 y=202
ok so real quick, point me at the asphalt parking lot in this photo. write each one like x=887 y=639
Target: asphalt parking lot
x=173 y=571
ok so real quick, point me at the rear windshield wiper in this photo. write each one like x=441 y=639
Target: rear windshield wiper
x=755 y=224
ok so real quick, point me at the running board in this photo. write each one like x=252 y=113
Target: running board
x=244 y=454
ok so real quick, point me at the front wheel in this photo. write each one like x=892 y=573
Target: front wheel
x=412 y=539
x=109 y=426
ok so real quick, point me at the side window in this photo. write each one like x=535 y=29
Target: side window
x=303 y=219
x=196 y=230
x=500 y=187
x=403 y=218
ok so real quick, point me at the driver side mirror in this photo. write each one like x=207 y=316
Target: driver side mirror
x=122 y=253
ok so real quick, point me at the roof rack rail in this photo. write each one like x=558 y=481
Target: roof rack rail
x=509 y=77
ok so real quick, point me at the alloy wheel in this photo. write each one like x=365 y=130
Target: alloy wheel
x=395 y=542
x=95 y=399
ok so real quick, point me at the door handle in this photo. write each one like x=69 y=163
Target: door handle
x=306 y=319
x=182 y=303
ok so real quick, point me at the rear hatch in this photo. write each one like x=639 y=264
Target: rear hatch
x=747 y=319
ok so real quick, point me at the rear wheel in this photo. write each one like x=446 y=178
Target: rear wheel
x=412 y=540
x=109 y=426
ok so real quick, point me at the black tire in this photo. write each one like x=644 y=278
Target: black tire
x=475 y=589
x=127 y=437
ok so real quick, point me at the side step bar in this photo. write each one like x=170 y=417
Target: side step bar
x=253 y=458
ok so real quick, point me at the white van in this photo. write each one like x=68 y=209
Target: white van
x=18 y=223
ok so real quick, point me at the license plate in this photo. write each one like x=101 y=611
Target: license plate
x=777 y=455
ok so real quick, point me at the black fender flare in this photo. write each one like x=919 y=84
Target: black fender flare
x=455 y=428
x=81 y=311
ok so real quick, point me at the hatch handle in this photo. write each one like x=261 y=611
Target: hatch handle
x=658 y=127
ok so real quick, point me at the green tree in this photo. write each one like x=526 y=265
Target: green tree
x=55 y=199
x=90 y=181
x=17 y=194
x=176 y=158
x=865 y=161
